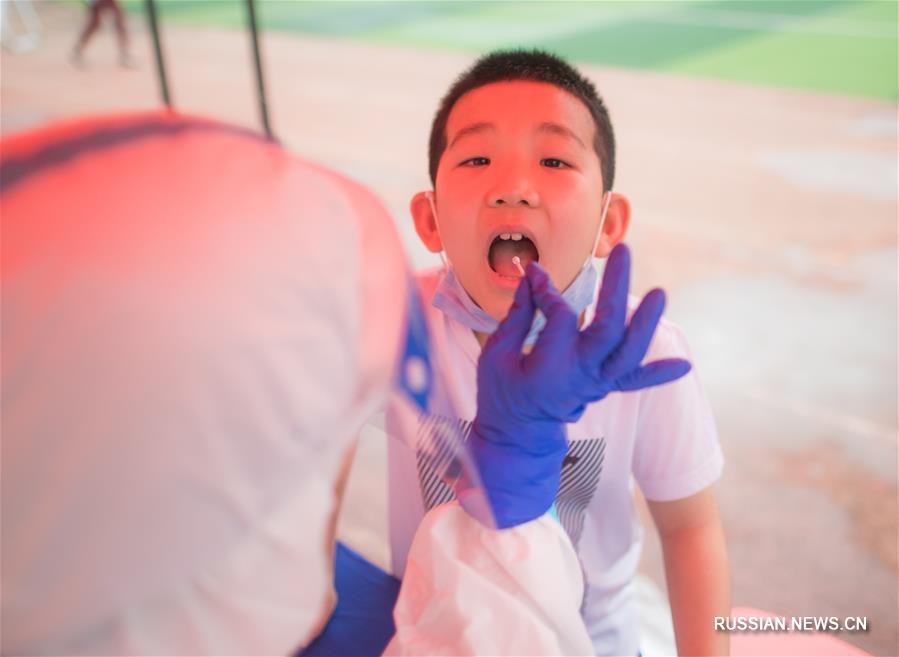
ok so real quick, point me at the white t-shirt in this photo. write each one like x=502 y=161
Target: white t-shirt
x=664 y=436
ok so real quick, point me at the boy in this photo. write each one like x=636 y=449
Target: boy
x=522 y=159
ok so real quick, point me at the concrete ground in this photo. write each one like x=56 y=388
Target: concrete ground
x=768 y=215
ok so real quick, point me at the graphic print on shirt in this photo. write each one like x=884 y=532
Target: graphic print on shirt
x=432 y=455
x=581 y=470
x=580 y=476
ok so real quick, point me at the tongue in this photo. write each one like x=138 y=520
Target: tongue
x=502 y=252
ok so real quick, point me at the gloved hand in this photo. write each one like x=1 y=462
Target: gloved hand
x=518 y=438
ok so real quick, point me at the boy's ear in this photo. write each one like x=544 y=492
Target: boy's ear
x=618 y=218
x=425 y=222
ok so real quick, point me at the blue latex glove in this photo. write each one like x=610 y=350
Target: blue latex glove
x=518 y=438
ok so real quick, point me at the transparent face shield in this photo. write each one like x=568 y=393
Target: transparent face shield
x=445 y=467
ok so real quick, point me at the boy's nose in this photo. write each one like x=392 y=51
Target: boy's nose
x=518 y=195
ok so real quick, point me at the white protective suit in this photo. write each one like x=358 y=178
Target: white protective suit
x=469 y=590
x=184 y=366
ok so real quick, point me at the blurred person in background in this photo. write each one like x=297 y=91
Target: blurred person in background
x=96 y=8
x=28 y=34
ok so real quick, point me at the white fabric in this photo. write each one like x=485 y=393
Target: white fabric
x=665 y=437
x=178 y=393
x=469 y=590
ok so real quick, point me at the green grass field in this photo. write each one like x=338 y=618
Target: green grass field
x=846 y=47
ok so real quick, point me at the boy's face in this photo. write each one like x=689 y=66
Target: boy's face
x=519 y=160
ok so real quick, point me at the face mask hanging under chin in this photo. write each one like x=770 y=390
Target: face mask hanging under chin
x=456 y=303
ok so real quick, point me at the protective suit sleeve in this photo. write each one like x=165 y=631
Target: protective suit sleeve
x=471 y=590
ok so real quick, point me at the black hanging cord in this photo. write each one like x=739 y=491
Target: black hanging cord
x=157 y=47
x=260 y=83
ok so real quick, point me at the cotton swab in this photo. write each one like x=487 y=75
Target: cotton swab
x=517 y=262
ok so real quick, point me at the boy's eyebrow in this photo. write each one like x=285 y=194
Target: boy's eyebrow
x=558 y=129
x=472 y=129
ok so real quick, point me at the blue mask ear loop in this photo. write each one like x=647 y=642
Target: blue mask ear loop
x=606 y=202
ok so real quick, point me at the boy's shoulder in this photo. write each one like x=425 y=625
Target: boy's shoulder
x=669 y=341
x=427 y=280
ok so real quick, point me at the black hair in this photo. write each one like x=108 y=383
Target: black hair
x=533 y=66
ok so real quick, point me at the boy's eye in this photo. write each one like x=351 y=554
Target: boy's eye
x=476 y=162
x=553 y=163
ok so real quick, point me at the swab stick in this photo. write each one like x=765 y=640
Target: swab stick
x=517 y=262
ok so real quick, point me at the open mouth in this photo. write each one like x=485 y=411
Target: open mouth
x=505 y=247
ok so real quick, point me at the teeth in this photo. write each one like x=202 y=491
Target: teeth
x=505 y=236
x=511 y=236
x=516 y=236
